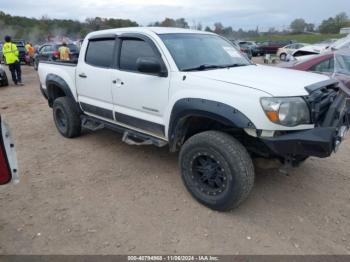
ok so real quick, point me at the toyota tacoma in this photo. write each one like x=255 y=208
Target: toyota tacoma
x=196 y=93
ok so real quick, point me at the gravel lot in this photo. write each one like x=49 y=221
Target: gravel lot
x=96 y=195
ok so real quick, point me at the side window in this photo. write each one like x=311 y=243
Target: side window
x=324 y=66
x=100 y=52
x=131 y=50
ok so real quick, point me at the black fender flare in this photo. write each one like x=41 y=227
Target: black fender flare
x=54 y=81
x=217 y=111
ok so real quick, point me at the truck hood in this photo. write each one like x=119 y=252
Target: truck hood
x=271 y=80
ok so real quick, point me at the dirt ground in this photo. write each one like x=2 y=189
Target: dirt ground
x=97 y=195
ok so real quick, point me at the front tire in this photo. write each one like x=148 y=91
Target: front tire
x=283 y=57
x=66 y=116
x=217 y=170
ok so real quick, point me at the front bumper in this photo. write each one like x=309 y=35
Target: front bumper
x=321 y=141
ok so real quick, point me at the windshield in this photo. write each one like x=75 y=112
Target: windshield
x=202 y=51
x=341 y=43
x=342 y=64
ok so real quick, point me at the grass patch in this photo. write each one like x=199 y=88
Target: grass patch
x=301 y=38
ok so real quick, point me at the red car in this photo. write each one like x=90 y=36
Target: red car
x=334 y=64
x=271 y=47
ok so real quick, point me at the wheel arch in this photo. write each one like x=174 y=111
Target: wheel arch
x=57 y=87
x=212 y=112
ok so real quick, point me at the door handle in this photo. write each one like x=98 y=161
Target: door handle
x=82 y=75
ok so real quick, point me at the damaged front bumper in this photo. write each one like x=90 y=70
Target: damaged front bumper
x=321 y=141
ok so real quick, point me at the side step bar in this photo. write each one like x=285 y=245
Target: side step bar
x=130 y=137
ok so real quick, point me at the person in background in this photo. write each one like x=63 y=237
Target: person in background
x=11 y=55
x=27 y=46
x=64 y=52
x=31 y=53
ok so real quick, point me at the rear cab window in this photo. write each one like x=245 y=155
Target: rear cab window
x=100 y=52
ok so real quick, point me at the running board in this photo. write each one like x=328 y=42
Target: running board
x=92 y=124
x=130 y=137
x=133 y=139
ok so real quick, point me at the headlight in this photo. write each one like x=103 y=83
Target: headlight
x=286 y=111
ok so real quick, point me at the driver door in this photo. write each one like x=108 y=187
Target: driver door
x=139 y=99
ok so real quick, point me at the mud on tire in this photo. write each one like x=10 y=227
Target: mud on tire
x=217 y=170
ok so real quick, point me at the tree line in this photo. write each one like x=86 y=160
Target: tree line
x=331 y=25
x=43 y=29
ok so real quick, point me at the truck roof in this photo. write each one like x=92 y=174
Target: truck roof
x=155 y=30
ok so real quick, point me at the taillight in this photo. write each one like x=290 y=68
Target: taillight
x=5 y=172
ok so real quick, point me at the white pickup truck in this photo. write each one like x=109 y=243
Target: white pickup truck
x=195 y=92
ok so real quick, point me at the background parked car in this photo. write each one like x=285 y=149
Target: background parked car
x=3 y=77
x=283 y=52
x=335 y=64
x=271 y=47
x=325 y=46
x=1 y=55
x=246 y=48
x=254 y=48
x=49 y=52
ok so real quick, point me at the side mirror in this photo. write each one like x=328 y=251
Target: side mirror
x=149 y=65
x=8 y=159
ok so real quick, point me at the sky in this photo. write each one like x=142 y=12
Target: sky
x=245 y=14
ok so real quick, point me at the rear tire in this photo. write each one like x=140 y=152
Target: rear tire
x=217 y=170
x=66 y=116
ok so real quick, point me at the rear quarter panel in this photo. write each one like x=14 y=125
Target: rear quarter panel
x=64 y=71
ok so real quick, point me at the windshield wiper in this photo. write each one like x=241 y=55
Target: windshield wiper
x=234 y=65
x=201 y=68
x=204 y=67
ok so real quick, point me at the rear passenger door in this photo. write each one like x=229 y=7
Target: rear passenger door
x=140 y=99
x=94 y=78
